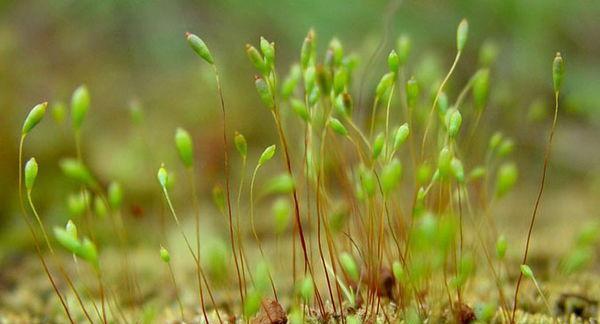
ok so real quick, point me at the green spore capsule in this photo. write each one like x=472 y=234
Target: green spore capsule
x=393 y=61
x=164 y=255
x=378 y=145
x=80 y=104
x=31 y=171
x=300 y=109
x=307 y=51
x=267 y=155
x=481 y=88
x=291 y=81
x=558 y=72
x=453 y=122
x=264 y=92
x=36 y=114
x=240 y=144
x=281 y=212
x=404 y=45
x=198 y=45
x=100 y=208
x=445 y=162
x=386 y=82
x=526 y=271
x=506 y=178
x=462 y=33
x=66 y=240
x=349 y=265
x=401 y=135
x=256 y=59
x=391 y=175
x=501 y=247
x=281 y=184
x=115 y=195
x=59 y=112
x=218 y=196
x=77 y=171
x=457 y=170
x=162 y=176
x=337 y=126
x=306 y=289
x=268 y=50
x=412 y=92
x=488 y=53
x=185 y=147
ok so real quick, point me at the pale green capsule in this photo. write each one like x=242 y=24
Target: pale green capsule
x=115 y=195
x=240 y=144
x=401 y=135
x=337 y=126
x=506 y=178
x=88 y=252
x=349 y=265
x=281 y=212
x=558 y=71
x=66 y=240
x=307 y=51
x=185 y=146
x=31 y=171
x=453 y=122
x=306 y=289
x=36 y=114
x=198 y=45
x=462 y=33
x=457 y=170
x=71 y=228
x=501 y=247
x=386 y=82
x=268 y=50
x=162 y=176
x=264 y=92
x=165 y=255
x=80 y=104
x=218 y=196
x=445 y=162
x=77 y=171
x=393 y=61
x=481 y=88
x=266 y=155
x=404 y=45
x=100 y=208
x=256 y=59
x=281 y=184
x=378 y=145
x=391 y=175
x=526 y=271
x=291 y=81
x=412 y=92
x=300 y=109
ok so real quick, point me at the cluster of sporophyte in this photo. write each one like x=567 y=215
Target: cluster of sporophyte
x=388 y=204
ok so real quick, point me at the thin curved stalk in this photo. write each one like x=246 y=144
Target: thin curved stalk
x=537 y=201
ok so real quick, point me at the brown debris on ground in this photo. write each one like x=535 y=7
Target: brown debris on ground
x=271 y=312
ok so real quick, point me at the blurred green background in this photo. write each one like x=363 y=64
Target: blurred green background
x=134 y=53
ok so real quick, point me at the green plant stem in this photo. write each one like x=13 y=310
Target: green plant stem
x=437 y=96
x=241 y=251
x=172 y=275
x=537 y=201
x=32 y=232
x=227 y=179
x=201 y=276
x=197 y=219
x=262 y=253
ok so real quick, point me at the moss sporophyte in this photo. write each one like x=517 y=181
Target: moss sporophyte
x=369 y=218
